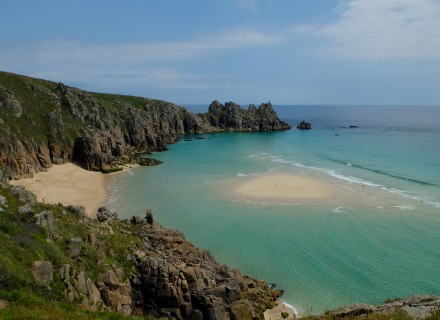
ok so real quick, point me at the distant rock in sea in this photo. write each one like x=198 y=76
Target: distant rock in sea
x=304 y=126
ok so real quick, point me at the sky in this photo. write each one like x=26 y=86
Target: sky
x=362 y=52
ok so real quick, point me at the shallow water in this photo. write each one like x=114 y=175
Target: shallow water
x=383 y=244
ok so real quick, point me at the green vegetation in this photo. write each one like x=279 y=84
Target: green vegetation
x=22 y=242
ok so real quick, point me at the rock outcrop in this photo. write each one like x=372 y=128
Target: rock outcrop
x=231 y=117
x=58 y=124
x=179 y=281
x=417 y=307
x=304 y=126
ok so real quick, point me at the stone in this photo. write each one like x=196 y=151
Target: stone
x=77 y=210
x=65 y=273
x=92 y=240
x=110 y=279
x=23 y=195
x=304 y=126
x=136 y=220
x=149 y=162
x=75 y=245
x=2 y=201
x=26 y=210
x=149 y=216
x=105 y=214
x=43 y=272
x=46 y=219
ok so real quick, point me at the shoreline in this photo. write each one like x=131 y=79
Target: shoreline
x=68 y=184
x=281 y=306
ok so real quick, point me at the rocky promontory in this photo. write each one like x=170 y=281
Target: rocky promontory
x=45 y=123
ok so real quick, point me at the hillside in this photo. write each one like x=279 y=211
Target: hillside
x=45 y=123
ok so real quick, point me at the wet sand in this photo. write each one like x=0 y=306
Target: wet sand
x=287 y=187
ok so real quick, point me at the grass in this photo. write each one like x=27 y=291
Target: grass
x=22 y=242
x=27 y=305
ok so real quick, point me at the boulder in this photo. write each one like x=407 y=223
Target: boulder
x=26 y=210
x=2 y=201
x=149 y=162
x=23 y=195
x=136 y=220
x=43 y=272
x=75 y=245
x=105 y=214
x=77 y=210
x=304 y=126
x=46 y=219
x=149 y=216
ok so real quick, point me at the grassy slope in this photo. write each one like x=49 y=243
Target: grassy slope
x=22 y=242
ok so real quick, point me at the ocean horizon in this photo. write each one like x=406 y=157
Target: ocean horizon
x=381 y=243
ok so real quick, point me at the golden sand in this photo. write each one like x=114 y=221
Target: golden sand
x=68 y=184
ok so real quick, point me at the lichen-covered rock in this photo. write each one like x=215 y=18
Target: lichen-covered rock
x=24 y=195
x=77 y=210
x=43 y=272
x=75 y=245
x=2 y=201
x=105 y=214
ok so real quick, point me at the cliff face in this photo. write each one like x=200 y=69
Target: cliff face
x=44 y=123
x=231 y=117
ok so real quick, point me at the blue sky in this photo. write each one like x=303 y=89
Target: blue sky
x=249 y=51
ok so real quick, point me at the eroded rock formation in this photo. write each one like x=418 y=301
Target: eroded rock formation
x=44 y=123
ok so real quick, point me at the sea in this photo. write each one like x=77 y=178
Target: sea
x=382 y=242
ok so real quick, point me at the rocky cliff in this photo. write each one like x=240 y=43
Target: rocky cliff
x=44 y=123
x=132 y=266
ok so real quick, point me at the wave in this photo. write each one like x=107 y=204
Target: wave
x=388 y=174
x=357 y=180
x=341 y=209
x=289 y=306
x=404 y=208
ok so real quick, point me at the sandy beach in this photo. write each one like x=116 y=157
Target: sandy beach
x=68 y=184
x=275 y=313
x=286 y=187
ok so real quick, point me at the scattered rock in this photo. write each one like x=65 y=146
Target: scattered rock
x=46 y=220
x=2 y=201
x=26 y=210
x=23 y=195
x=149 y=162
x=136 y=220
x=149 y=216
x=92 y=240
x=304 y=126
x=105 y=214
x=75 y=245
x=43 y=272
x=77 y=210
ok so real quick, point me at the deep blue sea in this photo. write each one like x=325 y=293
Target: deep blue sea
x=380 y=240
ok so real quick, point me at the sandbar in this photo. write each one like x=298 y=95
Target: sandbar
x=68 y=184
x=282 y=187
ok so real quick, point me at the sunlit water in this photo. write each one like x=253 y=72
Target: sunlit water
x=385 y=242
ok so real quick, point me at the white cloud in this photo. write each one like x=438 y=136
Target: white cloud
x=125 y=64
x=382 y=29
x=134 y=53
x=250 y=5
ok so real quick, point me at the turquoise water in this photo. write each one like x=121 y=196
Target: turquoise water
x=382 y=242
